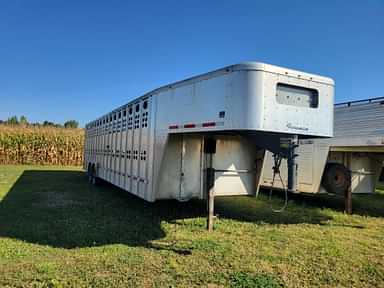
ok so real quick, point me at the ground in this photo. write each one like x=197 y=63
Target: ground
x=58 y=231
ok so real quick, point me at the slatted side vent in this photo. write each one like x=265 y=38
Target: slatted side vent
x=130 y=118
x=144 y=118
x=135 y=155
x=143 y=155
x=137 y=117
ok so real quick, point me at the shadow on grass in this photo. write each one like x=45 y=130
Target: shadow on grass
x=60 y=209
x=362 y=204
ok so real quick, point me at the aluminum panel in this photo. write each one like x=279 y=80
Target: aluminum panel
x=123 y=148
x=118 y=148
x=144 y=156
x=169 y=167
x=136 y=148
x=114 y=149
x=234 y=153
x=110 y=149
x=191 y=166
x=129 y=150
x=366 y=119
x=104 y=151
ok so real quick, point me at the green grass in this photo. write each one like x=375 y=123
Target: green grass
x=58 y=231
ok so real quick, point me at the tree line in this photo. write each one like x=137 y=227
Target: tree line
x=22 y=121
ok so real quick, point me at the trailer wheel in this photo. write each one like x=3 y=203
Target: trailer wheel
x=335 y=178
x=89 y=172
x=94 y=180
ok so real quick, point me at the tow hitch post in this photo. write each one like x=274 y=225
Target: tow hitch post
x=210 y=198
x=209 y=150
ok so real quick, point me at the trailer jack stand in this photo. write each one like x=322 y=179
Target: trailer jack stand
x=348 y=195
x=210 y=198
x=292 y=164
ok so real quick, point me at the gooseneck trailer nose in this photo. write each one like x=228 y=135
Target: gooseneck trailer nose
x=160 y=145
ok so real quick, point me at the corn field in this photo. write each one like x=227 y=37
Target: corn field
x=41 y=145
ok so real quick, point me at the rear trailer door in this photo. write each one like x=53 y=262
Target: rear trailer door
x=181 y=170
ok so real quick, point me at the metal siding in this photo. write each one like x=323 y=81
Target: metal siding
x=99 y=145
x=234 y=153
x=123 y=148
x=363 y=174
x=110 y=151
x=129 y=150
x=144 y=156
x=293 y=119
x=190 y=170
x=359 y=120
x=306 y=171
x=118 y=148
x=94 y=158
x=104 y=151
x=136 y=149
x=92 y=143
x=169 y=168
x=151 y=191
x=105 y=160
x=115 y=149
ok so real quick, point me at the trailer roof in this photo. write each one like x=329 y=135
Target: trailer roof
x=243 y=66
x=246 y=66
x=259 y=66
x=361 y=102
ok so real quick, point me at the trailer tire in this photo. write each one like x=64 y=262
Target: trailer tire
x=335 y=178
x=89 y=172
x=94 y=179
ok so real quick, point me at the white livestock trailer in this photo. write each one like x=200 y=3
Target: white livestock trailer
x=357 y=148
x=160 y=145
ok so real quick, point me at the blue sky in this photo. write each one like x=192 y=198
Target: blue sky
x=64 y=59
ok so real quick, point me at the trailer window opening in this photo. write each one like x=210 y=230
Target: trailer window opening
x=297 y=96
x=119 y=115
x=137 y=108
x=125 y=113
x=145 y=104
